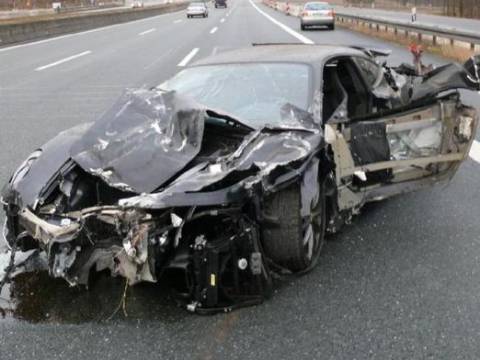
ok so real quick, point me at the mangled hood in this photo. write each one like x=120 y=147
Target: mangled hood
x=149 y=136
x=144 y=139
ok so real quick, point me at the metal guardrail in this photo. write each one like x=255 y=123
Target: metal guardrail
x=471 y=37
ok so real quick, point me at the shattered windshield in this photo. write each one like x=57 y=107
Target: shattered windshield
x=254 y=93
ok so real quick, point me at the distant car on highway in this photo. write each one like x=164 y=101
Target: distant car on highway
x=230 y=174
x=197 y=9
x=137 y=4
x=317 y=14
x=220 y=3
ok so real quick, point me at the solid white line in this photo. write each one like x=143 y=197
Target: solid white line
x=213 y=30
x=300 y=37
x=475 y=151
x=62 y=61
x=177 y=21
x=189 y=57
x=223 y=20
x=147 y=32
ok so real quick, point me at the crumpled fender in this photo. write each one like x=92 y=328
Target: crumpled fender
x=55 y=153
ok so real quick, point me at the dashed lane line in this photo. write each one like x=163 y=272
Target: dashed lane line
x=147 y=32
x=70 y=58
x=222 y=20
x=177 y=21
x=213 y=30
x=189 y=57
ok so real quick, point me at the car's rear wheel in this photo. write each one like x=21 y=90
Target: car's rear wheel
x=332 y=27
x=302 y=26
x=295 y=243
x=204 y=15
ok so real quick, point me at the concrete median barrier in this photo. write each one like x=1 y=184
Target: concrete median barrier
x=19 y=31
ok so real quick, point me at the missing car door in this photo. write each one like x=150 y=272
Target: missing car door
x=402 y=152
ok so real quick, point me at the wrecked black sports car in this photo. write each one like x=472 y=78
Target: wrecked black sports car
x=233 y=171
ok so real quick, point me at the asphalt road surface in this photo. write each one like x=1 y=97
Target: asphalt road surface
x=402 y=282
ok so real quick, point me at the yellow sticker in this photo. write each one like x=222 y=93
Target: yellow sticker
x=212 y=279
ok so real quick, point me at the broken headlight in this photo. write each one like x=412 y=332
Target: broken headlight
x=23 y=169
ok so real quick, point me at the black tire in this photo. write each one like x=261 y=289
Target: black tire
x=302 y=27
x=285 y=243
x=332 y=27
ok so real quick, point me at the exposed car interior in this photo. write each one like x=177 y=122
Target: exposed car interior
x=341 y=80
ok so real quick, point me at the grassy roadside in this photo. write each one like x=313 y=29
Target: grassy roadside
x=456 y=53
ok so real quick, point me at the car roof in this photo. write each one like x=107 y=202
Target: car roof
x=295 y=53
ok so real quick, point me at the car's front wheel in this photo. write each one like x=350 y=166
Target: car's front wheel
x=302 y=27
x=294 y=243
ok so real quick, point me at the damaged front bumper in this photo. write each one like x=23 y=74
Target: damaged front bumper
x=210 y=254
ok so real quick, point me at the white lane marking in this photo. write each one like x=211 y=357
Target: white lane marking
x=222 y=20
x=147 y=32
x=189 y=57
x=227 y=15
x=215 y=49
x=213 y=30
x=83 y=32
x=158 y=59
x=475 y=151
x=177 y=21
x=300 y=37
x=63 y=61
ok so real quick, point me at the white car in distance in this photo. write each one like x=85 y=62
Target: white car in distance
x=197 y=9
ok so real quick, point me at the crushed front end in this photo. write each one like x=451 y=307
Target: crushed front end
x=210 y=255
x=159 y=189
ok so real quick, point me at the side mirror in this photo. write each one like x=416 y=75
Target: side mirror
x=472 y=66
